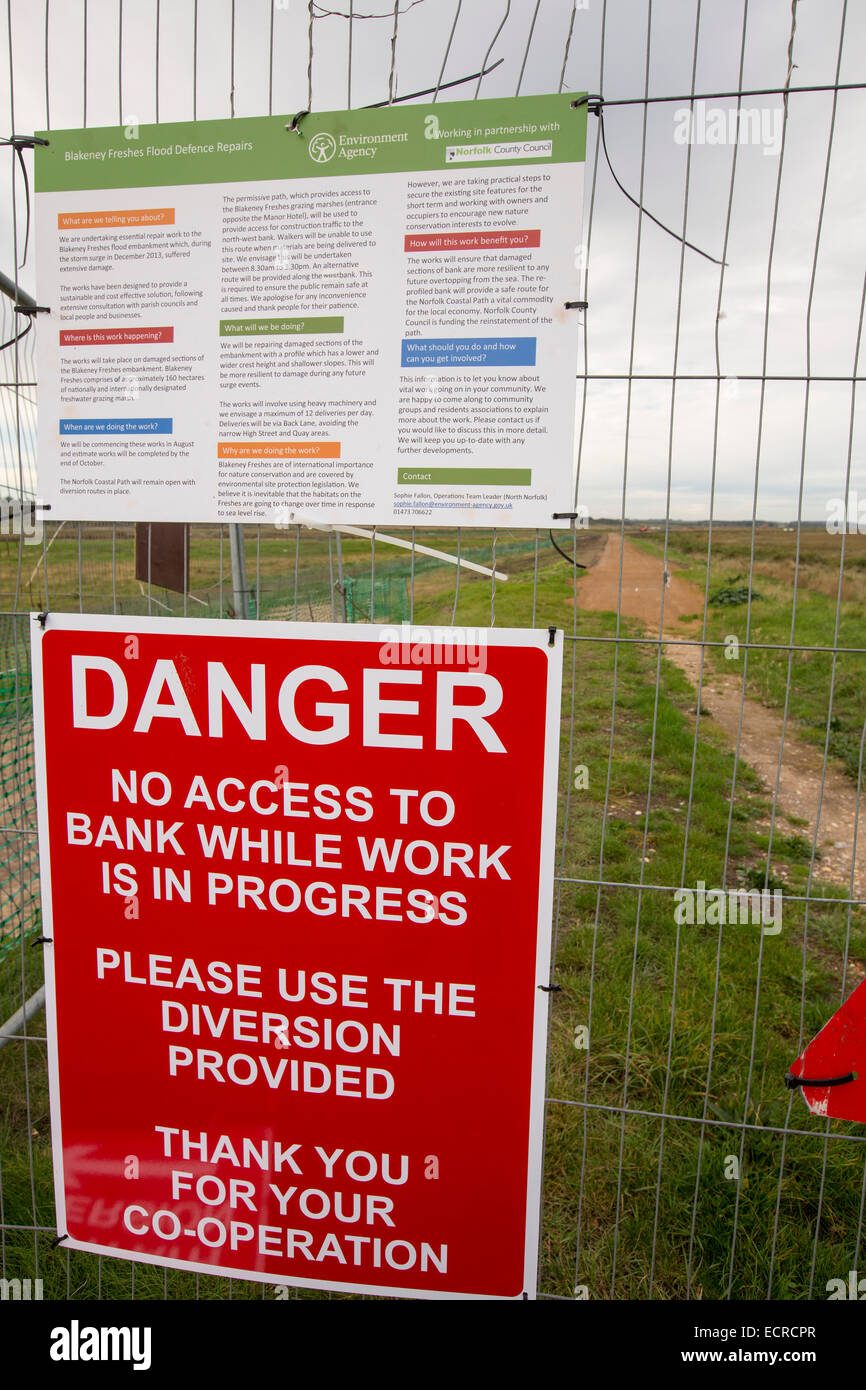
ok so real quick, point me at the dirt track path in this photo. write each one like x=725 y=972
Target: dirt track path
x=721 y=695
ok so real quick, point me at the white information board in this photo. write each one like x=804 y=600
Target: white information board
x=360 y=319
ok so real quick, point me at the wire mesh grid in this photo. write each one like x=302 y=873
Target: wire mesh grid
x=712 y=724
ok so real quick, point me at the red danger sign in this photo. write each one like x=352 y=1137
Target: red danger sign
x=297 y=894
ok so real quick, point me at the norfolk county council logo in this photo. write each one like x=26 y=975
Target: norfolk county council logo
x=322 y=147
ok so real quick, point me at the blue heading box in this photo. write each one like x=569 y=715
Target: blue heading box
x=154 y=425
x=468 y=353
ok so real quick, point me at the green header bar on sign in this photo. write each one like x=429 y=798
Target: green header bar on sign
x=468 y=477
x=458 y=135
x=246 y=328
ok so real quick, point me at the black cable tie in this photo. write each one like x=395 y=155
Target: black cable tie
x=565 y=516
x=30 y=309
x=576 y=304
x=640 y=207
x=551 y=989
x=593 y=103
x=56 y=1241
x=10 y=342
x=576 y=563
x=42 y=941
x=295 y=124
x=443 y=86
x=792 y=1081
x=24 y=142
x=42 y=619
x=551 y=635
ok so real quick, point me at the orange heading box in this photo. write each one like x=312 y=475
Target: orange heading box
x=273 y=449
x=126 y=217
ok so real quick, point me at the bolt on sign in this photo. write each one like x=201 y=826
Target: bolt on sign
x=297 y=898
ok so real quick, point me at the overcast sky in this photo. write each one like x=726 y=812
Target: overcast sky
x=638 y=314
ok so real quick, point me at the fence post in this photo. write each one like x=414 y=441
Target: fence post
x=240 y=592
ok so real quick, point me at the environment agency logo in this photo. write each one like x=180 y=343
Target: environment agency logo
x=322 y=147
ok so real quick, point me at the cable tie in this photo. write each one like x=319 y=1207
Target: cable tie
x=441 y=87
x=295 y=124
x=640 y=207
x=56 y=1241
x=576 y=563
x=551 y=635
x=10 y=342
x=42 y=941
x=42 y=619
x=30 y=309
x=593 y=103
x=576 y=304
x=551 y=989
x=792 y=1081
x=24 y=142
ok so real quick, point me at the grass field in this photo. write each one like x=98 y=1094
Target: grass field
x=698 y=1022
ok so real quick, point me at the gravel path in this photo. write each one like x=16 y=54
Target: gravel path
x=761 y=737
